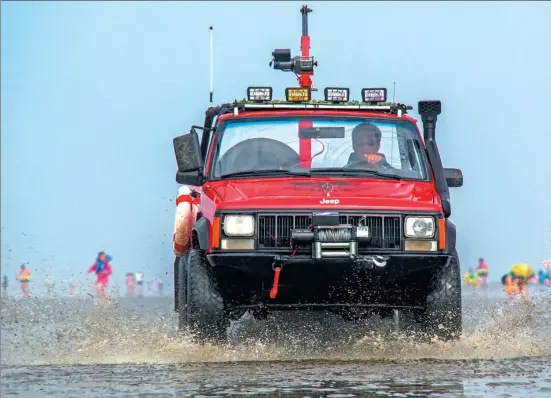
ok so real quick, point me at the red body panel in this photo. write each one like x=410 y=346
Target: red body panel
x=306 y=193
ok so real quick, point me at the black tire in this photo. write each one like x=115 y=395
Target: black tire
x=443 y=318
x=181 y=293
x=176 y=281
x=205 y=313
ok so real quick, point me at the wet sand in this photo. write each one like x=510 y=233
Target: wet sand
x=70 y=347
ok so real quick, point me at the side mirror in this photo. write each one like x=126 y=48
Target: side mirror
x=192 y=178
x=454 y=177
x=188 y=152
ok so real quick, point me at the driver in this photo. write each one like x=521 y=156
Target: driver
x=366 y=142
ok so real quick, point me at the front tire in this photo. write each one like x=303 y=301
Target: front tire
x=443 y=317
x=205 y=312
x=181 y=296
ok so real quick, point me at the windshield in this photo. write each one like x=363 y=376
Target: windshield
x=341 y=145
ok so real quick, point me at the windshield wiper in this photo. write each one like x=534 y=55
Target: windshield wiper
x=348 y=171
x=252 y=173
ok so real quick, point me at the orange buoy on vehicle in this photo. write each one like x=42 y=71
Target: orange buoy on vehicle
x=182 y=221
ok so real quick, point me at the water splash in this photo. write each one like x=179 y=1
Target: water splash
x=74 y=331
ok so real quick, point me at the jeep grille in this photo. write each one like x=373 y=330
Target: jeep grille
x=274 y=230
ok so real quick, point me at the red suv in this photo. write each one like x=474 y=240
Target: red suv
x=333 y=205
x=315 y=206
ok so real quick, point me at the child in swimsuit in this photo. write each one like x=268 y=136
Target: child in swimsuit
x=511 y=287
x=521 y=274
x=482 y=271
x=24 y=278
x=103 y=271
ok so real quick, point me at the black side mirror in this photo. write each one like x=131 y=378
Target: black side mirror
x=454 y=177
x=193 y=178
x=188 y=152
x=189 y=159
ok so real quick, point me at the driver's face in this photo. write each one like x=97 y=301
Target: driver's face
x=368 y=143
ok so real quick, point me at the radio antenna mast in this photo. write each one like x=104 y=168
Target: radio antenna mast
x=211 y=65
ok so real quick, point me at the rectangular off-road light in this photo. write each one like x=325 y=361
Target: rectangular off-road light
x=259 y=94
x=298 y=94
x=337 y=94
x=374 y=94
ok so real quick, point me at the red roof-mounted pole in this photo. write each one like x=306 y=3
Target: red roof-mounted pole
x=302 y=65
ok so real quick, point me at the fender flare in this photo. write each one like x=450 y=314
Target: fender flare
x=201 y=228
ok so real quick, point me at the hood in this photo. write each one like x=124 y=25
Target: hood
x=324 y=193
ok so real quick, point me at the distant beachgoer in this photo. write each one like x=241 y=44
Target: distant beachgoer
x=521 y=273
x=471 y=278
x=103 y=270
x=542 y=276
x=130 y=284
x=482 y=271
x=24 y=278
x=510 y=287
x=160 y=285
x=4 y=286
x=139 y=282
x=50 y=284
x=547 y=271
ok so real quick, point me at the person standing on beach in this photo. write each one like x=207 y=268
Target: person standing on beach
x=130 y=284
x=103 y=271
x=160 y=285
x=24 y=278
x=482 y=271
x=139 y=282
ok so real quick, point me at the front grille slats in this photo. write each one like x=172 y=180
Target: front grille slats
x=274 y=230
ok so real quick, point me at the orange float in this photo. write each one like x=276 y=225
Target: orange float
x=183 y=221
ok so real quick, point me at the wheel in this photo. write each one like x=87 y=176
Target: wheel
x=176 y=282
x=442 y=317
x=205 y=313
x=181 y=296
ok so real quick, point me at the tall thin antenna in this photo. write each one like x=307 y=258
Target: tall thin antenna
x=394 y=92
x=211 y=64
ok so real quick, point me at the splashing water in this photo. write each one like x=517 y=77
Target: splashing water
x=74 y=331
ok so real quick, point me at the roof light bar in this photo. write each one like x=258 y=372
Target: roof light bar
x=298 y=94
x=374 y=95
x=337 y=94
x=259 y=94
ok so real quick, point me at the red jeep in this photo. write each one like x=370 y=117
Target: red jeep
x=334 y=205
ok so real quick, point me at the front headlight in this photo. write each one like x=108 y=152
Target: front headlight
x=235 y=225
x=419 y=227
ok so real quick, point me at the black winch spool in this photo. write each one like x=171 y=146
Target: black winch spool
x=335 y=235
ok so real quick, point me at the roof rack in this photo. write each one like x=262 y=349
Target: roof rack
x=385 y=107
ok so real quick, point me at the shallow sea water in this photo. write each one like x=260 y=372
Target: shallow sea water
x=69 y=347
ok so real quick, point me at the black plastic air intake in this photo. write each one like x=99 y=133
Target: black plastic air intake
x=429 y=111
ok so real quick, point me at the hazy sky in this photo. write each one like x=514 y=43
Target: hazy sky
x=94 y=92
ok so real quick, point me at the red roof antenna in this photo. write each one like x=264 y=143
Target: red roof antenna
x=302 y=65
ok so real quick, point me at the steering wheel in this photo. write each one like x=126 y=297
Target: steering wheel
x=257 y=154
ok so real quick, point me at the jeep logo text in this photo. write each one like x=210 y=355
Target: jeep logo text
x=329 y=202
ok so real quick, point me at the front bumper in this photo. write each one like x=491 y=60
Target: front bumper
x=247 y=277
x=392 y=263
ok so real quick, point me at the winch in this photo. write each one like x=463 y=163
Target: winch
x=331 y=239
